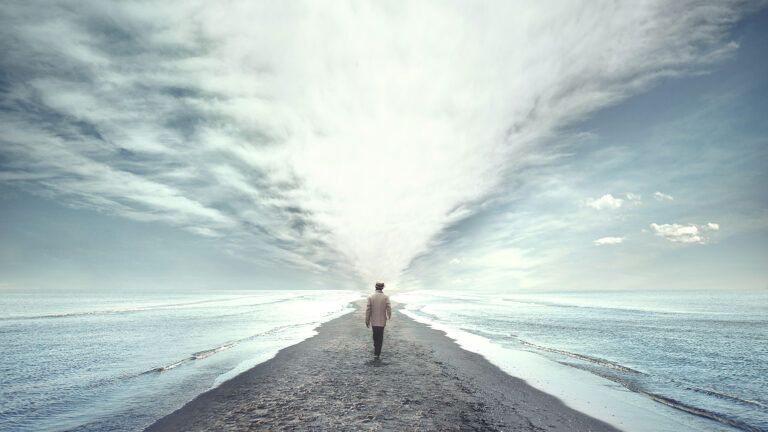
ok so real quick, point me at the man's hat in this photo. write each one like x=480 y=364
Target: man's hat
x=379 y=285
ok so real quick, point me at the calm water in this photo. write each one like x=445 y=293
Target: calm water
x=705 y=353
x=118 y=362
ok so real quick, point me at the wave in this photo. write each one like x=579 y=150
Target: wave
x=200 y=355
x=142 y=309
x=591 y=359
x=701 y=412
x=196 y=356
x=678 y=405
x=167 y=367
x=674 y=403
x=723 y=395
x=207 y=353
x=420 y=310
x=596 y=360
x=596 y=307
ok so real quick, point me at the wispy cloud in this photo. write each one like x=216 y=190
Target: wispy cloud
x=325 y=135
x=660 y=196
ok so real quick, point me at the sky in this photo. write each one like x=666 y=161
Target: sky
x=494 y=146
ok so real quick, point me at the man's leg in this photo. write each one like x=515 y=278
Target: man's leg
x=378 y=338
x=374 y=338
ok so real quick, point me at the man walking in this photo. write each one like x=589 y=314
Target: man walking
x=377 y=313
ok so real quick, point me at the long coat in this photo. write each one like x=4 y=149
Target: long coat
x=378 y=311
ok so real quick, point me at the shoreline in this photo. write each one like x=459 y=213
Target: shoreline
x=424 y=381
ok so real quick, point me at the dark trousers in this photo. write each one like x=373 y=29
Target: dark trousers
x=378 y=339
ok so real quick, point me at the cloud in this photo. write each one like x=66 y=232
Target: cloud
x=678 y=233
x=327 y=136
x=608 y=241
x=606 y=201
x=662 y=196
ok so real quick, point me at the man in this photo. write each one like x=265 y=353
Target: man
x=377 y=313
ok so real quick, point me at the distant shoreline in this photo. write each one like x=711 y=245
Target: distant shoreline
x=424 y=381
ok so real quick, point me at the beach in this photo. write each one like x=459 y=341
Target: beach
x=423 y=381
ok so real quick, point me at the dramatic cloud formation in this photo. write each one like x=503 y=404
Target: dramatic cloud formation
x=684 y=233
x=325 y=135
x=608 y=241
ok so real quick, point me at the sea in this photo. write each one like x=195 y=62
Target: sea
x=642 y=361
x=118 y=362
x=649 y=360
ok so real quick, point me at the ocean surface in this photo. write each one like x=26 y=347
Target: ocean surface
x=95 y=362
x=698 y=359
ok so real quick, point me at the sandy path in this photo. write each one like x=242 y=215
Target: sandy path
x=424 y=381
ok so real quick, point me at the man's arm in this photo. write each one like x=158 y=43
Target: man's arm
x=389 y=309
x=368 y=313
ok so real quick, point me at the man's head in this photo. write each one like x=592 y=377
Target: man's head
x=379 y=286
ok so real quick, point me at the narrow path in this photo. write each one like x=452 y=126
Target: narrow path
x=331 y=382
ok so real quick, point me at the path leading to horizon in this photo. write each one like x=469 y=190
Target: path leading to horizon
x=423 y=381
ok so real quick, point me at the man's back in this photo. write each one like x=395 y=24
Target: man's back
x=379 y=310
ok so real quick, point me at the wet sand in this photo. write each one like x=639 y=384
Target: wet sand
x=423 y=381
